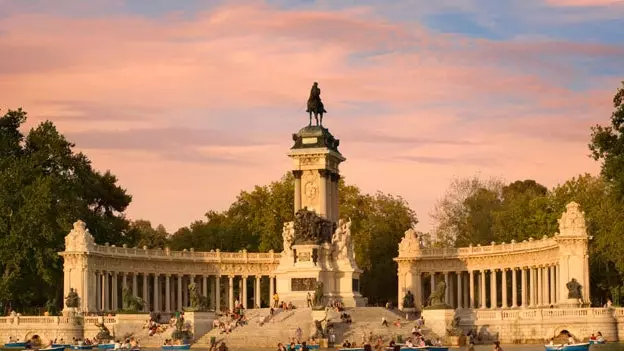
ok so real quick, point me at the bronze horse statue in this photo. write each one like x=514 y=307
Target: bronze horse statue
x=315 y=105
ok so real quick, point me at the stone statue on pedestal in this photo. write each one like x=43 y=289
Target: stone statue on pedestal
x=408 y=300
x=310 y=228
x=438 y=297
x=315 y=105
x=574 y=289
x=72 y=300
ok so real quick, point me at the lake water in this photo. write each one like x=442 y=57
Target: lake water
x=531 y=347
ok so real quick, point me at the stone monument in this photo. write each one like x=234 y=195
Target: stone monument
x=317 y=245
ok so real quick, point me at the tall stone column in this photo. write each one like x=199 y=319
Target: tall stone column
x=335 y=203
x=540 y=287
x=168 y=293
x=505 y=296
x=145 y=294
x=447 y=292
x=466 y=279
x=514 y=288
x=324 y=174
x=157 y=304
x=472 y=290
x=432 y=282
x=124 y=283
x=231 y=292
x=418 y=294
x=115 y=292
x=557 y=282
x=532 y=289
x=482 y=290
x=217 y=293
x=297 y=176
x=244 y=287
x=459 y=289
x=525 y=288
x=179 y=299
x=98 y=291
x=271 y=289
x=257 y=292
x=493 y=287
x=205 y=286
x=105 y=294
x=135 y=289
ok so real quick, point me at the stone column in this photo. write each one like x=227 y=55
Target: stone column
x=231 y=292
x=466 y=295
x=482 y=290
x=297 y=175
x=505 y=295
x=493 y=287
x=552 y=289
x=323 y=190
x=244 y=287
x=271 y=290
x=115 y=292
x=124 y=283
x=179 y=299
x=540 y=287
x=105 y=293
x=135 y=286
x=557 y=282
x=514 y=288
x=447 y=292
x=217 y=294
x=459 y=289
x=167 y=292
x=157 y=303
x=532 y=289
x=525 y=288
x=418 y=294
x=335 y=200
x=205 y=286
x=145 y=296
x=432 y=281
x=472 y=290
x=257 y=292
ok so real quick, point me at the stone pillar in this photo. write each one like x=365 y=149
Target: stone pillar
x=336 y=203
x=532 y=289
x=514 y=288
x=179 y=300
x=557 y=282
x=205 y=286
x=432 y=281
x=524 y=287
x=157 y=304
x=145 y=295
x=297 y=175
x=135 y=286
x=493 y=287
x=447 y=292
x=540 y=287
x=231 y=292
x=105 y=293
x=115 y=292
x=551 y=285
x=323 y=192
x=472 y=290
x=257 y=292
x=418 y=293
x=124 y=283
x=505 y=296
x=467 y=293
x=244 y=287
x=482 y=290
x=459 y=290
x=217 y=293
x=167 y=292
x=271 y=290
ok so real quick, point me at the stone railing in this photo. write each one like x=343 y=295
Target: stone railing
x=548 y=314
x=191 y=255
x=51 y=320
x=502 y=248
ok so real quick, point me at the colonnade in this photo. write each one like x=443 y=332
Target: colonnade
x=527 y=287
x=170 y=292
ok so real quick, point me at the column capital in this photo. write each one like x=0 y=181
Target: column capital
x=297 y=174
x=335 y=177
x=324 y=173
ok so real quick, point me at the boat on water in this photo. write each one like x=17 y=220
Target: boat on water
x=568 y=347
x=176 y=347
x=315 y=347
x=597 y=342
x=65 y=346
x=351 y=349
x=82 y=347
x=108 y=346
x=20 y=344
x=54 y=348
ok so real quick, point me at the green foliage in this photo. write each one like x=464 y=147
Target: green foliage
x=255 y=220
x=44 y=188
x=143 y=234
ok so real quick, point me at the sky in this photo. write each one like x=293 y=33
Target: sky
x=189 y=102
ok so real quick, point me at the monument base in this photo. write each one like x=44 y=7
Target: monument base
x=438 y=320
x=570 y=303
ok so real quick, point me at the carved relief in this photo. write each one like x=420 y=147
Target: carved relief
x=302 y=284
x=79 y=238
x=410 y=244
x=309 y=160
x=572 y=221
x=342 y=245
x=310 y=190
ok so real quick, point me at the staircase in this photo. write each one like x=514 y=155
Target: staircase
x=262 y=330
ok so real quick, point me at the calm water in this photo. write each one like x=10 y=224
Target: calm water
x=532 y=347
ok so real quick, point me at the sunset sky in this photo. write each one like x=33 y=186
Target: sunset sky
x=190 y=101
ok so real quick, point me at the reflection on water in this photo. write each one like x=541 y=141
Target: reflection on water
x=531 y=347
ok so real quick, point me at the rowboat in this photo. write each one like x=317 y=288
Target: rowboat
x=54 y=348
x=65 y=346
x=20 y=344
x=176 y=347
x=108 y=346
x=82 y=347
x=312 y=347
x=568 y=347
x=351 y=349
x=597 y=342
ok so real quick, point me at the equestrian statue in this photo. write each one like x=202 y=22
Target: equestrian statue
x=315 y=105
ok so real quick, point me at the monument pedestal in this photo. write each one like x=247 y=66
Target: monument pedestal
x=438 y=320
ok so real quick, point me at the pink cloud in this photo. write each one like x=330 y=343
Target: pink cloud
x=452 y=107
x=583 y=3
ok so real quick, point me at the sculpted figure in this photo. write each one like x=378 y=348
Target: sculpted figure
x=438 y=297
x=315 y=105
x=72 y=300
x=288 y=235
x=408 y=300
x=318 y=295
x=574 y=289
x=341 y=240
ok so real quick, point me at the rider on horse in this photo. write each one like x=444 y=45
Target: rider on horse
x=315 y=105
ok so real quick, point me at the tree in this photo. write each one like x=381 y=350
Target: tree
x=607 y=145
x=255 y=220
x=143 y=234
x=450 y=214
x=44 y=188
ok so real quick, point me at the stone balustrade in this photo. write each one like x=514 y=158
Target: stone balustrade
x=211 y=256
x=516 y=248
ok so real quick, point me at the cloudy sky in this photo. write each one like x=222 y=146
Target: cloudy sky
x=190 y=101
